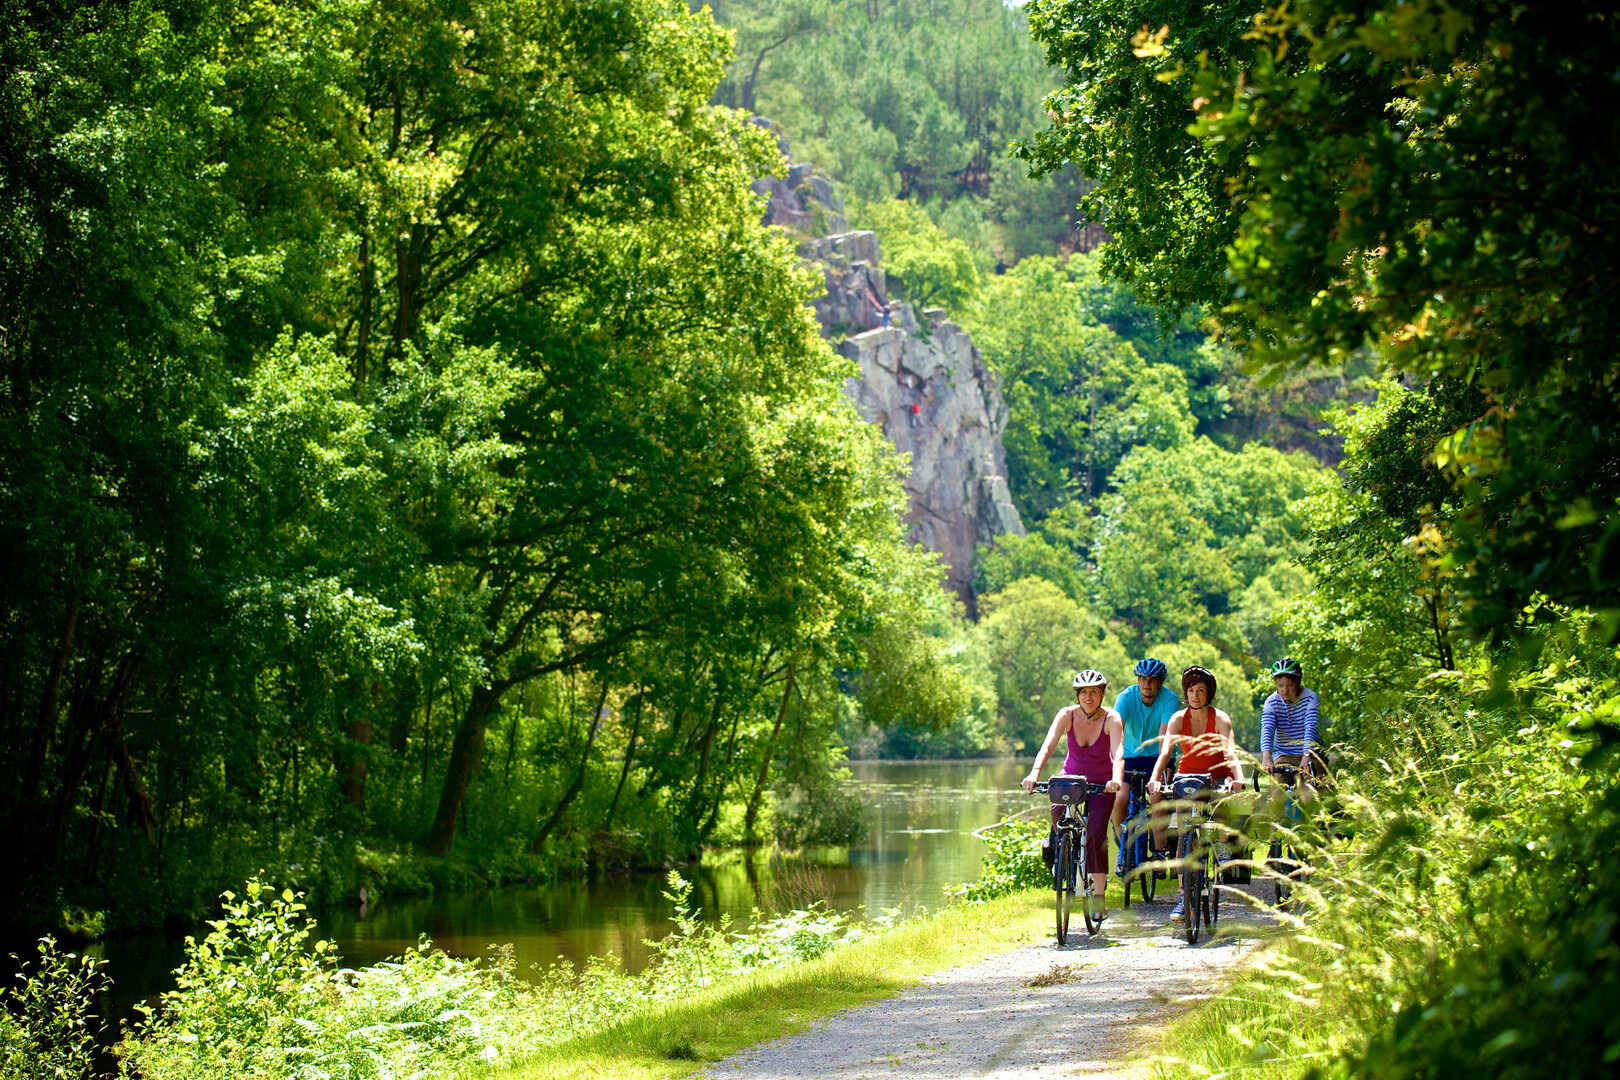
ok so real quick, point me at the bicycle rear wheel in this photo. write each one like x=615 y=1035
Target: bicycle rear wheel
x=1063 y=882
x=1192 y=887
x=1084 y=893
x=1150 y=872
x=1127 y=857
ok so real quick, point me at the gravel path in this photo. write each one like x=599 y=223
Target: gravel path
x=999 y=1018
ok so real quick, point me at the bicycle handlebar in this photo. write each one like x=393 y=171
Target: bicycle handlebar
x=1092 y=788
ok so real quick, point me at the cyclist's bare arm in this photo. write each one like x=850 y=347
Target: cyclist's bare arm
x=1166 y=742
x=1060 y=726
x=1115 y=726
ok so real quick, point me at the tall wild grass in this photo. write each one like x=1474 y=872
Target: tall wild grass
x=1462 y=916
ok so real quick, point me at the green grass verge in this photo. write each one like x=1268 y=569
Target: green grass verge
x=678 y=1038
x=1259 y=1027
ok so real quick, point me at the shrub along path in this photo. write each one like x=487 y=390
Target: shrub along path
x=1034 y=1011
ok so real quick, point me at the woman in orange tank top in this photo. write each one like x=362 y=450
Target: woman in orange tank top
x=1203 y=735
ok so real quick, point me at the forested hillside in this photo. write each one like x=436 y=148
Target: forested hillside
x=1131 y=435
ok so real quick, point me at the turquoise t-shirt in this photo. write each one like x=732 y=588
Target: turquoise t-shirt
x=1142 y=721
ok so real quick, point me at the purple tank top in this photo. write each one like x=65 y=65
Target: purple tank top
x=1091 y=762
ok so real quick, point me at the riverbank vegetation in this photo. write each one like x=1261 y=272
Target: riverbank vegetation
x=258 y=996
x=412 y=440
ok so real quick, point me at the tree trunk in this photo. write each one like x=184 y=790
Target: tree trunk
x=751 y=818
x=354 y=785
x=466 y=758
x=713 y=817
x=578 y=781
x=368 y=287
x=629 y=756
x=695 y=800
x=45 y=723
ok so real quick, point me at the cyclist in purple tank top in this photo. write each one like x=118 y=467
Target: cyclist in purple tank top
x=1094 y=735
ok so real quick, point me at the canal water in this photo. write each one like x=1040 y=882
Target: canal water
x=919 y=842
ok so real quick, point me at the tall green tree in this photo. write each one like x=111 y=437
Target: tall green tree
x=1425 y=180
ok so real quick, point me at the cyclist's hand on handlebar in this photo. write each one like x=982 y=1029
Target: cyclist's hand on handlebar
x=1265 y=762
x=1236 y=785
x=1112 y=786
x=1154 y=787
x=1028 y=782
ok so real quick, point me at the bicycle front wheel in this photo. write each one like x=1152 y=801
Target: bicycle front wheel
x=1192 y=886
x=1063 y=882
x=1212 y=889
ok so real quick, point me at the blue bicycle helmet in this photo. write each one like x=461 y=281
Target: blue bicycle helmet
x=1150 y=668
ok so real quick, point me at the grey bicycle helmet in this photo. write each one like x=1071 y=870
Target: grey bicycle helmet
x=1149 y=668
x=1287 y=666
x=1196 y=674
x=1090 y=677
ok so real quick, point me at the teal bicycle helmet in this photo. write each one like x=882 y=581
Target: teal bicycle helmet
x=1287 y=666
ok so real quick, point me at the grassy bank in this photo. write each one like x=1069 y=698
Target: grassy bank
x=262 y=997
x=676 y=1038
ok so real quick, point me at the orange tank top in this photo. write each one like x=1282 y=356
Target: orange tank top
x=1204 y=751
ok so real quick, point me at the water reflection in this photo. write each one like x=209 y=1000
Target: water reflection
x=919 y=840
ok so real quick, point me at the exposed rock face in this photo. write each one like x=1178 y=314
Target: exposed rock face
x=924 y=383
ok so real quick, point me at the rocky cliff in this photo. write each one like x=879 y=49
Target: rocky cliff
x=922 y=380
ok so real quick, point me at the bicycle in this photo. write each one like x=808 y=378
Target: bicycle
x=1200 y=881
x=1282 y=857
x=1134 y=840
x=1070 y=792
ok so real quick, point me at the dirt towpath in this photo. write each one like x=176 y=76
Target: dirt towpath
x=1036 y=1011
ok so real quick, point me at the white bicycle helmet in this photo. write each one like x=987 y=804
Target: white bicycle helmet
x=1090 y=677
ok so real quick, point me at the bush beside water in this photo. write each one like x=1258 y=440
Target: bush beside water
x=260 y=997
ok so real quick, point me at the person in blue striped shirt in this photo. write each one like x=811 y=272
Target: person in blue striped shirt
x=1288 y=726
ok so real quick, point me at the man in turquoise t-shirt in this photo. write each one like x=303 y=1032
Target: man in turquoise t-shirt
x=1145 y=708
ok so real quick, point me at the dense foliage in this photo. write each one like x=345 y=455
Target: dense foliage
x=911 y=98
x=411 y=436
x=1425 y=180
x=1422 y=185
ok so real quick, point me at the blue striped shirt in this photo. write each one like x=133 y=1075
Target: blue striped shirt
x=1285 y=728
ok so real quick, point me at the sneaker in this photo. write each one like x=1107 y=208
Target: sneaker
x=1179 y=915
x=1048 y=852
x=1098 y=912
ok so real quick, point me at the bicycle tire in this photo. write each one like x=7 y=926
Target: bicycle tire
x=1127 y=853
x=1191 y=887
x=1083 y=893
x=1149 y=876
x=1212 y=871
x=1062 y=866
